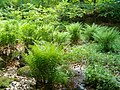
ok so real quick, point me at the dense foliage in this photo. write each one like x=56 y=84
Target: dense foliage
x=50 y=35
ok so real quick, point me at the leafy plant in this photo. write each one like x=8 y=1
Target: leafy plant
x=116 y=45
x=62 y=38
x=61 y=75
x=43 y=61
x=7 y=38
x=109 y=11
x=88 y=54
x=89 y=30
x=27 y=32
x=75 y=31
x=60 y=27
x=100 y=78
x=45 y=32
x=8 y=33
x=105 y=37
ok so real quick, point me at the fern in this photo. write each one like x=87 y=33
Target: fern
x=61 y=38
x=75 y=30
x=105 y=37
x=43 y=61
x=89 y=30
x=45 y=32
x=27 y=32
x=8 y=33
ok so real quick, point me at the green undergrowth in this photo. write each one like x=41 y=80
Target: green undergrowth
x=102 y=69
x=100 y=78
x=53 y=37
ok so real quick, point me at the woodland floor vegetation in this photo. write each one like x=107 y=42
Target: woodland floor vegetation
x=63 y=45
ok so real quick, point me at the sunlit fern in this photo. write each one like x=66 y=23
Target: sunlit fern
x=75 y=31
x=43 y=61
x=45 y=32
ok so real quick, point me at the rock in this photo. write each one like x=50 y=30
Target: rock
x=7 y=89
x=14 y=84
x=81 y=87
x=22 y=83
x=78 y=76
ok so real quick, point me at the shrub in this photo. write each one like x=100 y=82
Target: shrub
x=43 y=61
x=105 y=37
x=100 y=78
x=109 y=11
x=73 y=12
x=75 y=31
